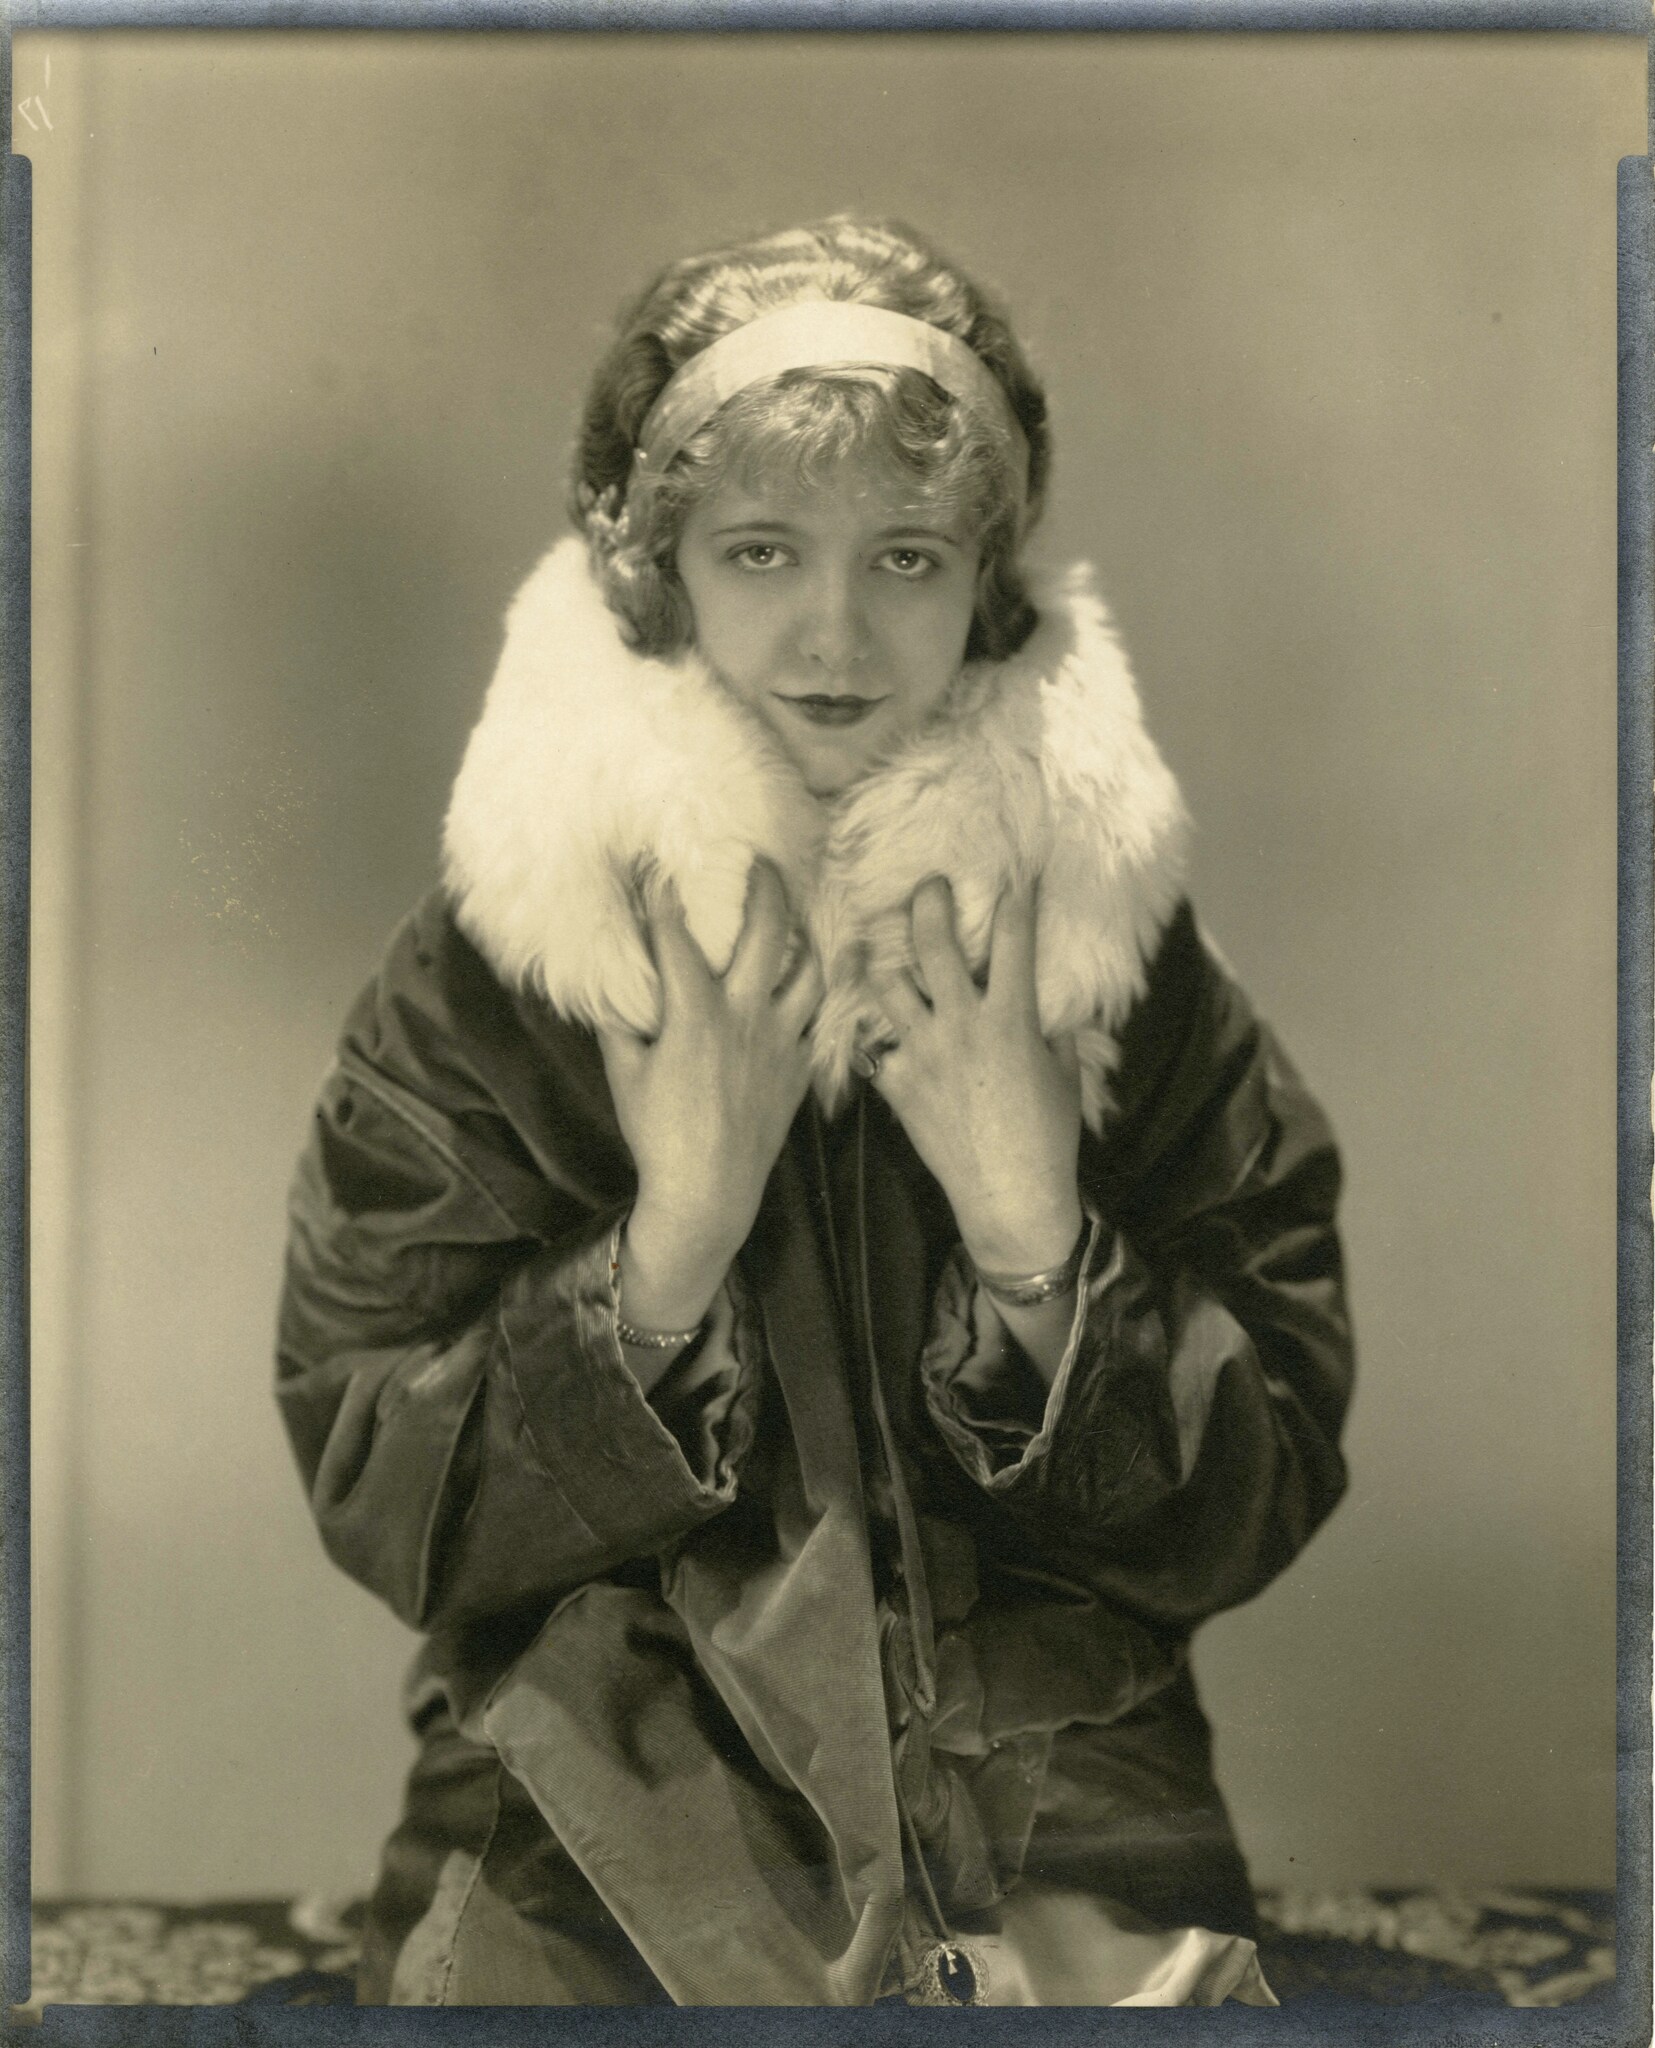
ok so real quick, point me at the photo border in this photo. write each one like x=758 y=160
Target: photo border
x=1451 y=2021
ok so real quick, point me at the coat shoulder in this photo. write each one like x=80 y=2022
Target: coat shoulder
x=436 y=1001
x=511 y=1079
x=1203 y=1091
x=1188 y=997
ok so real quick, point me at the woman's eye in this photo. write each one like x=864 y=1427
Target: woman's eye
x=757 y=554
x=911 y=562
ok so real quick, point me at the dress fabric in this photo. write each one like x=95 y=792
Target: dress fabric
x=849 y=1640
x=1076 y=1948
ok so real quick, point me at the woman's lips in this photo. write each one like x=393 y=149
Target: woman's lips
x=832 y=710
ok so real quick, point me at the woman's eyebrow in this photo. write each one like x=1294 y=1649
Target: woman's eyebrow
x=885 y=533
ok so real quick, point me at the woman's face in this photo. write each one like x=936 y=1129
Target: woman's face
x=837 y=612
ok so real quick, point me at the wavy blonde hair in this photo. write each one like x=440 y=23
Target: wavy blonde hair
x=801 y=423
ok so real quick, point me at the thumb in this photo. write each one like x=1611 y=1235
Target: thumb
x=1066 y=1047
x=623 y=1053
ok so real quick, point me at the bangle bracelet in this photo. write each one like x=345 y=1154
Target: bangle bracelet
x=653 y=1340
x=1029 y=1290
x=629 y=1333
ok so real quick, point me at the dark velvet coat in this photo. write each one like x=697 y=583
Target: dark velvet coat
x=733 y=1693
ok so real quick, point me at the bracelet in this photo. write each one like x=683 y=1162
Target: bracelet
x=1029 y=1290
x=653 y=1340
x=629 y=1333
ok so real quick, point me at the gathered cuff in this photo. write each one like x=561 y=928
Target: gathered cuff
x=637 y=1468
x=990 y=1404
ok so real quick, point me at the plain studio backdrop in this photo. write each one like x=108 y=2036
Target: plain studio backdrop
x=1328 y=328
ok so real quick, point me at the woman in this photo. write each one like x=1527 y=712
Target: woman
x=809 y=1280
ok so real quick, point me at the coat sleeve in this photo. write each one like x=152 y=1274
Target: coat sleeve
x=1188 y=1447
x=447 y=1365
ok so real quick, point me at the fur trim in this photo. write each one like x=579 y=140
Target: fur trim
x=592 y=768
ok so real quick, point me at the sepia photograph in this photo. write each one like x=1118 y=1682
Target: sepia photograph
x=822 y=1025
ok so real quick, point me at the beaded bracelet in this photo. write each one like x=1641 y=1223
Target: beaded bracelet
x=654 y=1340
x=629 y=1333
x=1029 y=1290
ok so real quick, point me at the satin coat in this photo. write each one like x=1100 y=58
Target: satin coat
x=733 y=1692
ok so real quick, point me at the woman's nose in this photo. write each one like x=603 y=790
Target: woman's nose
x=835 y=632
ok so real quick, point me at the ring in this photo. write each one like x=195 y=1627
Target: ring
x=865 y=1062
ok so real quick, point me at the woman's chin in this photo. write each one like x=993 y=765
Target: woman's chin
x=829 y=770
x=828 y=774
x=830 y=762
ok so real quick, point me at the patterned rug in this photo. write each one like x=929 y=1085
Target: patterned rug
x=1520 y=1948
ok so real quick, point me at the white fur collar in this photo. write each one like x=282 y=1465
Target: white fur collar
x=591 y=765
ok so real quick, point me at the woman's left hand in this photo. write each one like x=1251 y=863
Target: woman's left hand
x=992 y=1109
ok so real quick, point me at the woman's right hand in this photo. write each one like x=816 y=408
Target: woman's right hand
x=706 y=1105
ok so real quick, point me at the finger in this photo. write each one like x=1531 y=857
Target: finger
x=623 y=1052
x=761 y=944
x=1011 y=954
x=936 y=947
x=800 y=996
x=892 y=1073
x=903 y=1004
x=686 y=978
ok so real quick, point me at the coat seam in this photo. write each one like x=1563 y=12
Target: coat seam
x=357 y=1070
x=428 y=1535
x=471 y=1885
x=526 y=1428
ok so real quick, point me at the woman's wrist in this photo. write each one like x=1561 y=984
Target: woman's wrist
x=1032 y=1241
x=1031 y=1286
x=668 y=1274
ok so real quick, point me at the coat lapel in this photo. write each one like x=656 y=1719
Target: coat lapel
x=777 y=1885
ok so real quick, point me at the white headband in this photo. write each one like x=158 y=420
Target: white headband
x=810 y=335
